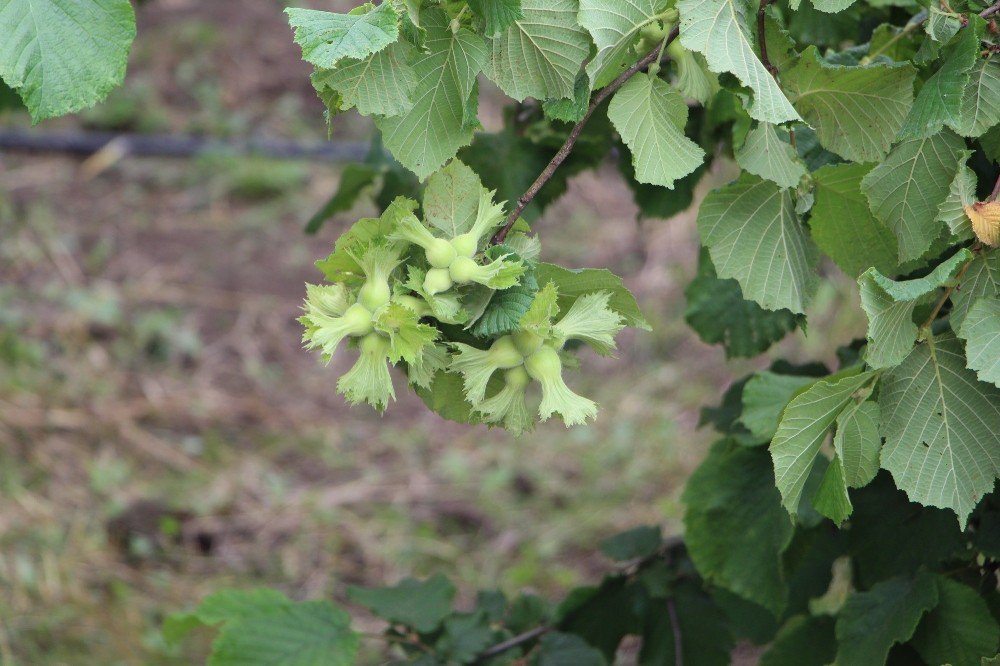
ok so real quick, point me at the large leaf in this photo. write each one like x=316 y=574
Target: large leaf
x=960 y=630
x=856 y=111
x=842 y=224
x=326 y=37
x=981 y=332
x=754 y=236
x=872 y=622
x=720 y=30
x=540 y=54
x=735 y=528
x=804 y=425
x=890 y=304
x=650 y=116
x=906 y=189
x=436 y=127
x=381 y=84
x=803 y=641
x=313 y=633
x=614 y=26
x=573 y=283
x=421 y=605
x=768 y=155
x=940 y=99
x=497 y=14
x=980 y=108
x=940 y=424
x=703 y=628
x=719 y=314
x=952 y=211
x=64 y=55
x=764 y=399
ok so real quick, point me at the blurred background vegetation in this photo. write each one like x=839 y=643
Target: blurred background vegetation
x=162 y=434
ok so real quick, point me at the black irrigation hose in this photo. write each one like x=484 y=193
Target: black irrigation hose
x=170 y=145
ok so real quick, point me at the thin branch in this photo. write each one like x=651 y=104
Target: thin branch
x=996 y=190
x=990 y=11
x=675 y=626
x=761 y=41
x=574 y=134
x=512 y=643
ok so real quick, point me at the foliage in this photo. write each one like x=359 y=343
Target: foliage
x=845 y=515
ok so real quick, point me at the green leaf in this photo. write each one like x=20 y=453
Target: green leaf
x=326 y=37
x=803 y=641
x=980 y=109
x=872 y=622
x=856 y=111
x=857 y=443
x=633 y=544
x=961 y=193
x=506 y=307
x=754 y=236
x=313 y=633
x=718 y=313
x=981 y=332
x=465 y=636
x=650 y=116
x=960 y=630
x=231 y=605
x=435 y=128
x=764 y=399
x=354 y=180
x=941 y=26
x=906 y=190
x=940 y=426
x=381 y=84
x=804 y=425
x=498 y=14
x=62 y=56
x=735 y=528
x=768 y=155
x=890 y=304
x=720 y=30
x=842 y=224
x=451 y=200
x=614 y=25
x=981 y=280
x=573 y=283
x=940 y=99
x=421 y=605
x=540 y=54
x=705 y=636
x=558 y=649
x=831 y=498
x=572 y=109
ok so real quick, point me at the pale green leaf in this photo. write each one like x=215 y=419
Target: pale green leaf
x=614 y=25
x=961 y=193
x=831 y=498
x=435 y=128
x=872 y=622
x=907 y=189
x=497 y=14
x=856 y=111
x=942 y=25
x=650 y=116
x=62 y=56
x=735 y=528
x=842 y=224
x=764 y=399
x=832 y=6
x=960 y=630
x=381 y=84
x=326 y=37
x=804 y=425
x=573 y=283
x=313 y=633
x=451 y=200
x=981 y=280
x=768 y=155
x=890 y=304
x=980 y=108
x=857 y=443
x=940 y=424
x=540 y=54
x=981 y=332
x=754 y=236
x=694 y=79
x=720 y=30
x=940 y=99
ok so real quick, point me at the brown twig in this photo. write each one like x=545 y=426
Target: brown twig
x=512 y=643
x=761 y=41
x=996 y=190
x=574 y=134
x=675 y=626
x=990 y=11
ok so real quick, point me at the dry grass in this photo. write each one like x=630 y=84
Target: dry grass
x=162 y=434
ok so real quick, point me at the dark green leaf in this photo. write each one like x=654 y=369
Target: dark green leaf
x=705 y=639
x=558 y=649
x=353 y=182
x=633 y=544
x=421 y=605
x=803 y=641
x=960 y=630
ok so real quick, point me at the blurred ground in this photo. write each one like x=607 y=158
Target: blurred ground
x=162 y=434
